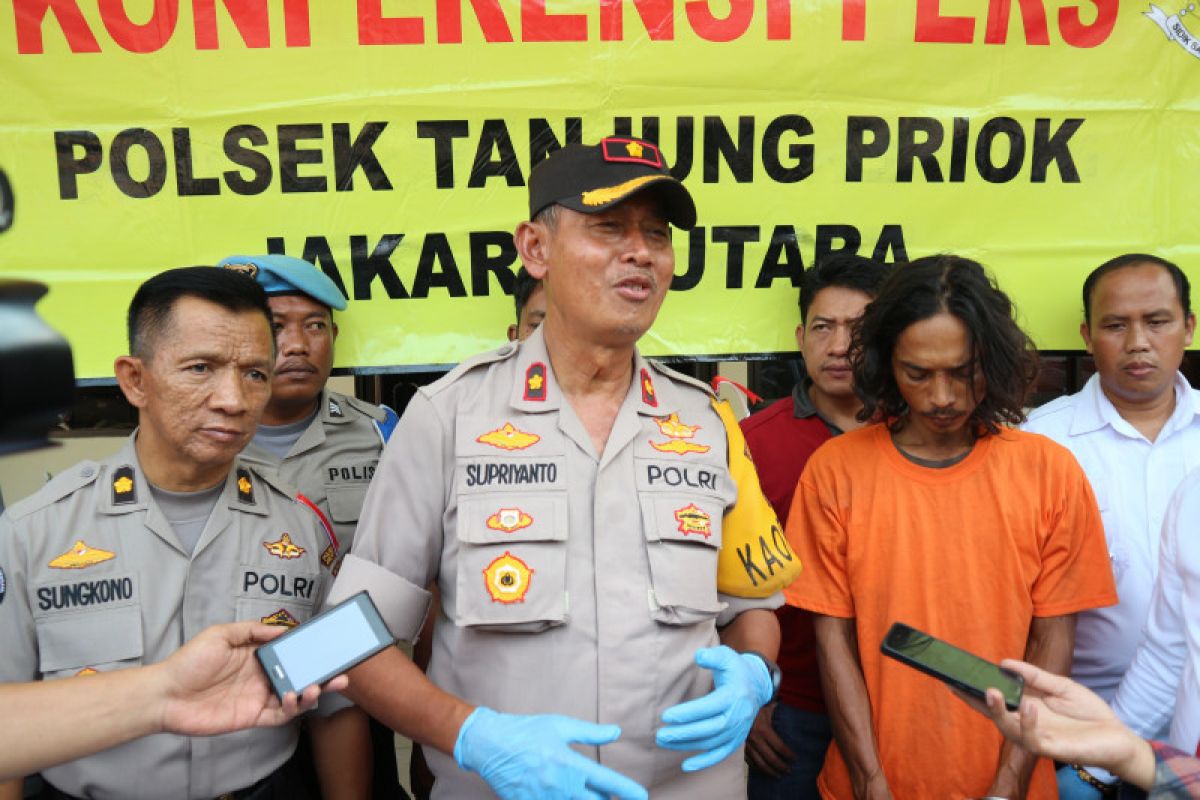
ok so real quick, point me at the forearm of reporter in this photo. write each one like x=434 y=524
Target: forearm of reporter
x=1050 y=645
x=847 y=701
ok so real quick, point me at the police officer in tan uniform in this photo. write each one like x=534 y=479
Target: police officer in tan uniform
x=323 y=443
x=577 y=506
x=114 y=564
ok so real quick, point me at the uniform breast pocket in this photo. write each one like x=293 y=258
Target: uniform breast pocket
x=81 y=642
x=345 y=502
x=512 y=562
x=683 y=539
x=277 y=596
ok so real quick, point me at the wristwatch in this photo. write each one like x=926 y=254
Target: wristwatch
x=772 y=669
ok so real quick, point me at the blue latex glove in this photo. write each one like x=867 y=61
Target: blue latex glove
x=528 y=757
x=719 y=722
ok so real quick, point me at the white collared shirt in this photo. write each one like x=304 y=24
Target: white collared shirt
x=1133 y=479
x=1164 y=677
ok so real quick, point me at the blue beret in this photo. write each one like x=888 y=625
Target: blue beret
x=288 y=275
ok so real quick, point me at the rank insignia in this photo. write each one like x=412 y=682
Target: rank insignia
x=281 y=618
x=507 y=437
x=81 y=555
x=619 y=149
x=509 y=520
x=124 y=488
x=328 y=556
x=249 y=270
x=679 y=447
x=507 y=579
x=245 y=486
x=671 y=426
x=648 y=395
x=535 y=381
x=693 y=519
x=335 y=409
x=284 y=548
x=87 y=671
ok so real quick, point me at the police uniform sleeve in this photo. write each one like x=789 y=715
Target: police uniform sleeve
x=398 y=542
x=19 y=661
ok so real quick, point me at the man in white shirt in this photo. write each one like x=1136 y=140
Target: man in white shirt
x=1135 y=429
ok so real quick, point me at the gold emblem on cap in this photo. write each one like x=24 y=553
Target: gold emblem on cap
x=81 y=555
x=634 y=149
x=249 y=270
x=606 y=194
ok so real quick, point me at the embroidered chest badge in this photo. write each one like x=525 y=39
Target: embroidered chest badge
x=693 y=519
x=507 y=579
x=507 y=437
x=679 y=447
x=80 y=556
x=284 y=548
x=509 y=520
x=671 y=426
x=281 y=618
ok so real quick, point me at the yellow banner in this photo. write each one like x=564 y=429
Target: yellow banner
x=390 y=143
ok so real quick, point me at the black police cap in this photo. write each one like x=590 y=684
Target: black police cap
x=591 y=178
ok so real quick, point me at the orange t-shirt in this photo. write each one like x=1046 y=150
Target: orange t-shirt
x=969 y=553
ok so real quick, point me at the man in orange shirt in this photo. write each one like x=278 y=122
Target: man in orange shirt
x=947 y=519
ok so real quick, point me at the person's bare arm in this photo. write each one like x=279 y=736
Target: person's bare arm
x=211 y=685
x=754 y=629
x=341 y=748
x=848 y=704
x=1050 y=644
x=391 y=688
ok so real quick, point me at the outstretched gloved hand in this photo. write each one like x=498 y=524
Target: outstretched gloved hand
x=720 y=721
x=528 y=757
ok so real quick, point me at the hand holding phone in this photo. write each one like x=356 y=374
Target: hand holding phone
x=964 y=671
x=325 y=646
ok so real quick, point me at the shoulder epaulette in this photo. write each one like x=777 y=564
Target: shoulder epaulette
x=267 y=477
x=680 y=377
x=474 y=362
x=362 y=406
x=61 y=485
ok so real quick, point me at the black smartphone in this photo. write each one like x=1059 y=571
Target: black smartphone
x=325 y=646
x=955 y=666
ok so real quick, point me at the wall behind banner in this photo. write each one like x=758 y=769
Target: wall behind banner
x=390 y=143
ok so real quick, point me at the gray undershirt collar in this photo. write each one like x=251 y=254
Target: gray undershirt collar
x=187 y=512
x=278 y=440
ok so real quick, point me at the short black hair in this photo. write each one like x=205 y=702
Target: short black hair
x=844 y=270
x=152 y=304
x=523 y=288
x=1183 y=289
x=922 y=289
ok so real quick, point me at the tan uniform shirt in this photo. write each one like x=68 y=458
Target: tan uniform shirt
x=97 y=581
x=333 y=460
x=571 y=582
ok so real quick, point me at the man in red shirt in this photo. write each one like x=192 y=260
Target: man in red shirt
x=787 y=745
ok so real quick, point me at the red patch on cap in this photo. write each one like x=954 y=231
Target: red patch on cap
x=631 y=151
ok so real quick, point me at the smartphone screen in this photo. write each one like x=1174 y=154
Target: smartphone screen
x=325 y=645
x=951 y=664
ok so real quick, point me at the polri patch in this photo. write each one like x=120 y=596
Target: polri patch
x=535 y=381
x=671 y=426
x=508 y=437
x=507 y=579
x=281 y=618
x=284 y=548
x=245 y=486
x=693 y=520
x=124 y=488
x=631 y=151
x=81 y=555
x=648 y=395
x=509 y=520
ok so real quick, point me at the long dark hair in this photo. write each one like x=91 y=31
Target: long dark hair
x=922 y=289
